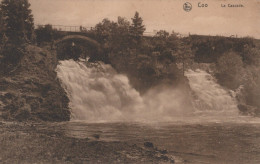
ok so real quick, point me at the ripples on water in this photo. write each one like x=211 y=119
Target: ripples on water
x=188 y=142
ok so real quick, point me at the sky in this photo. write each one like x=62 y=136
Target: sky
x=157 y=15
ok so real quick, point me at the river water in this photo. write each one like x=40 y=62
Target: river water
x=206 y=129
x=212 y=143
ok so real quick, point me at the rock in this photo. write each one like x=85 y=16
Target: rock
x=8 y=95
x=97 y=136
x=247 y=109
x=32 y=91
x=164 y=157
x=163 y=151
x=23 y=115
x=148 y=144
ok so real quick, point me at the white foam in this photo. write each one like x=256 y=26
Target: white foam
x=98 y=93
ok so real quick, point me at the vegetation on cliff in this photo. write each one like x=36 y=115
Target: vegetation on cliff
x=237 y=63
x=17 y=28
x=147 y=61
x=29 y=89
x=235 y=73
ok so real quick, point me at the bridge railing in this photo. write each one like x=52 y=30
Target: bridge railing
x=81 y=29
x=67 y=28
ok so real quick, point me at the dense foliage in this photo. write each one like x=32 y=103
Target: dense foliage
x=18 y=21
x=46 y=33
x=17 y=28
x=230 y=69
x=209 y=48
x=237 y=66
x=240 y=72
x=147 y=60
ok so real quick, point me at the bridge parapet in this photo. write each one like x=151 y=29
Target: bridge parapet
x=84 y=29
x=66 y=28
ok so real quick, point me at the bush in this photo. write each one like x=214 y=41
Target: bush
x=12 y=54
x=251 y=56
x=10 y=57
x=230 y=70
x=232 y=74
x=252 y=86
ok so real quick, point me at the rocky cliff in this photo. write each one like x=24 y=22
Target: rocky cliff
x=31 y=90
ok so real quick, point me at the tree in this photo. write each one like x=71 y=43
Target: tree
x=162 y=34
x=105 y=30
x=45 y=33
x=165 y=43
x=121 y=37
x=18 y=21
x=251 y=56
x=137 y=29
x=230 y=71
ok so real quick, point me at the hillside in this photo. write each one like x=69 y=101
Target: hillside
x=31 y=90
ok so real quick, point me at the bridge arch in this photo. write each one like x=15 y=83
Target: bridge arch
x=75 y=46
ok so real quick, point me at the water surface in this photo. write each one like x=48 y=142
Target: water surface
x=188 y=143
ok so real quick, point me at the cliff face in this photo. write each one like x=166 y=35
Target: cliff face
x=31 y=91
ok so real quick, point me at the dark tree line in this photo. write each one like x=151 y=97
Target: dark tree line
x=17 y=21
x=16 y=29
x=209 y=48
x=147 y=60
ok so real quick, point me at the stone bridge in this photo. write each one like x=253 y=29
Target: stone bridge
x=78 y=46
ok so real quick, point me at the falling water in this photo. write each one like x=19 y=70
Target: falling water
x=98 y=93
x=210 y=97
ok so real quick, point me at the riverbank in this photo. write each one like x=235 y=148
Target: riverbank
x=78 y=142
x=44 y=143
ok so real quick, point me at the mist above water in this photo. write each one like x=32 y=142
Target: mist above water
x=98 y=93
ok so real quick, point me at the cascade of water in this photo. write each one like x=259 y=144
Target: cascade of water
x=98 y=93
x=209 y=95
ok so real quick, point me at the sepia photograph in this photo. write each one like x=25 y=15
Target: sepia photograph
x=129 y=81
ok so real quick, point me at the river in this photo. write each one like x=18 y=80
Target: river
x=211 y=143
x=207 y=130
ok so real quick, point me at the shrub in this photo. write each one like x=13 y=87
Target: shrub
x=10 y=58
x=251 y=56
x=252 y=86
x=230 y=70
x=12 y=54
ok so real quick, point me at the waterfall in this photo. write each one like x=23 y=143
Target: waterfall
x=209 y=96
x=98 y=93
